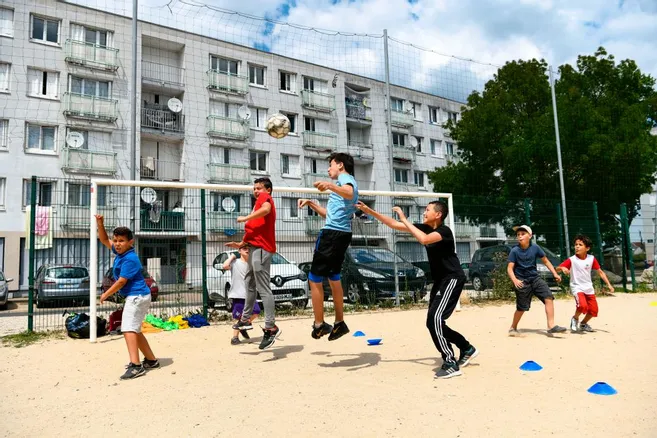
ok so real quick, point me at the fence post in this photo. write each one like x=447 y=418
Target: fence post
x=204 y=256
x=30 y=299
x=598 y=235
x=628 y=243
x=562 y=248
x=527 y=215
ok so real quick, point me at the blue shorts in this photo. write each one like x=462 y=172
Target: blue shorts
x=238 y=308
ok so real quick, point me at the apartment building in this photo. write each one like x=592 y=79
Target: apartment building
x=65 y=80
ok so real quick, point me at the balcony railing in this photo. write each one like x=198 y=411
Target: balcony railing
x=152 y=168
x=488 y=232
x=366 y=185
x=228 y=173
x=361 y=151
x=402 y=119
x=313 y=224
x=319 y=140
x=91 y=55
x=222 y=81
x=90 y=107
x=168 y=221
x=78 y=216
x=221 y=221
x=358 y=112
x=227 y=127
x=364 y=226
x=406 y=187
x=317 y=101
x=403 y=153
x=310 y=178
x=163 y=120
x=86 y=161
x=163 y=74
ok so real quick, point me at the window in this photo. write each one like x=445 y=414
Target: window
x=401 y=175
x=452 y=116
x=406 y=209
x=223 y=65
x=398 y=139
x=224 y=109
x=293 y=122
x=290 y=165
x=433 y=115
x=258 y=118
x=94 y=140
x=308 y=83
x=259 y=161
x=256 y=75
x=219 y=155
x=396 y=104
x=419 y=179
x=310 y=123
x=43 y=83
x=3 y=190
x=80 y=195
x=449 y=149
x=419 y=140
x=218 y=202
x=290 y=208
x=6 y=22
x=435 y=148
x=288 y=82
x=312 y=84
x=5 y=69
x=416 y=109
x=4 y=133
x=45 y=29
x=90 y=87
x=312 y=165
x=44 y=193
x=41 y=138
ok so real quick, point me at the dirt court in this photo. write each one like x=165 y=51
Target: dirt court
x=306 y=387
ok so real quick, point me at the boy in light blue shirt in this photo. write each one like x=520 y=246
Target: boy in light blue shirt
x=332 y=242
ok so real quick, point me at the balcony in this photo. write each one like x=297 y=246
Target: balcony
x=222 y=222
x=319 y=141
x=227 y=82
x=313 y=224
x=160 y=170
x=229 y=128
x=406 y=187
x=364 y=226
x=229 y=173
x=310 y=178
x=160 y=119
x=360 y=151
x=90 y=107
x=168 y=221
x=366 y=185
x=402 y=119
x=359 y=112
x=162 y=75
x=91 y=162
x=91 y=55
x=403 y=153
x=77 y=217
x=317 y=101
x=488 y=232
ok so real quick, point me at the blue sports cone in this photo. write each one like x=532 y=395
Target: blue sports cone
x=601 y=388
x=359 y=333
x=530 y=365
x=375 y=341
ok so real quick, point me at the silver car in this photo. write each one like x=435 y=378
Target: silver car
x=61 y=282
x=4 y=290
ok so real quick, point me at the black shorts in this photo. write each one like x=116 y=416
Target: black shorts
x=330 y=249
x=536 y=287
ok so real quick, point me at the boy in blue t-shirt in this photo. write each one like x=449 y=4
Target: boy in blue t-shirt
x=332 y=242
x=524 y=275
x=130 y=283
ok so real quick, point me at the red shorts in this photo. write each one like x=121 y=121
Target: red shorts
x=586 y=304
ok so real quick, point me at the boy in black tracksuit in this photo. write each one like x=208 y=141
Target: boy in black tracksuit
x=448 y=278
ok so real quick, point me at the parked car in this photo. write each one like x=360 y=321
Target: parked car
x=108 y=281
x=424 y=265
x=61 y=282
x=288 y=282
x=368 y=275
x=483 y=264
x=4 y=290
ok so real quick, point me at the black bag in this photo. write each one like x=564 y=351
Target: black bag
x=78 y=326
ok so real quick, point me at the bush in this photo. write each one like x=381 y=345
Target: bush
x=503 y=288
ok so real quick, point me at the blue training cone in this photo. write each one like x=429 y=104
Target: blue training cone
x=601 y=388
x=359 y=333
x=530 y=365
x=375 y=341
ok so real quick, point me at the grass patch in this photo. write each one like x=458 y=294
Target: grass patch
x=23 y=339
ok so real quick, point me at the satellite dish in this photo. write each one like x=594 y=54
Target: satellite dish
x=148 y=195
x=228 y=204
x=413 y=141
x=244 y=112
x=408 y=107
x=74 y=139
x=366 y=102
x=174 y=105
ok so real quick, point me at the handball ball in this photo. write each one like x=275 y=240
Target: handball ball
x=278 y=125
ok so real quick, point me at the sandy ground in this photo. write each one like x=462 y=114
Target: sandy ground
x=305 y=387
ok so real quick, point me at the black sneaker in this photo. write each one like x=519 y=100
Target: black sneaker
x=269 y=337
x=235 y=341
x=245 y=334
x=448 y=370
x=150 y=364
x=586 y=328
x=557 y=329
x=467 y=356
x=339 y=329
x=323 y=329
x=133 y=371
x=242 y=325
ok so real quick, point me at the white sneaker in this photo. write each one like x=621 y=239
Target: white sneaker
x=573 y=324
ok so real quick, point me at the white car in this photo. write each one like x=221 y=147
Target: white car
x=288 y=282
x=4 y=290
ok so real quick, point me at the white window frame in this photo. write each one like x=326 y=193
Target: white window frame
x=5 y=84
x=9 y=30
x=291 y=211
x=4 y=134
x=228 y=64
x=420 y=142
x=397 y=104
x=43 y=74
x=40 y=149
x=417 y=176
x=257 y=169
x=416 y=109
x=401 y=142
x=27 y=193
x=401 y=172
x=309 y=124
x=3 y=193
x=225 y=155
x=293 y=171
x=449 y=145
x=258 y=118
x=44 y=39
x=436 y=148
x=454 y=116
x=255 y=68
x=87 y=82
x=290 y=82
x=294 y=122
x=434 y=115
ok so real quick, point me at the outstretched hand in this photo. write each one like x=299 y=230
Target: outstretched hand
x=235 y=245
x=399 y=212
x=303 y=202
x=363 y=207
x=322 y=186
x=99 y=218
x=241 y=219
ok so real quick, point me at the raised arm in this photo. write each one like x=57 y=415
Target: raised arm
x=346 y=191
x=386 y=220
x=102 y=234
x=263 y=211
x=547 y=263
x=301 y=203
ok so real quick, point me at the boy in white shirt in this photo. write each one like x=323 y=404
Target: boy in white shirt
x=237 y=292
x=579 y=268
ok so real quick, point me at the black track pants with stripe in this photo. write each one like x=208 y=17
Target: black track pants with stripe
x=442 y=302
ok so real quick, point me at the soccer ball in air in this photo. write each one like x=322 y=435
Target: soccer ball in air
x=278 y=125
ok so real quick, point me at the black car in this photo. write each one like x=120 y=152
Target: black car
x=368 y=275
x=484 y=262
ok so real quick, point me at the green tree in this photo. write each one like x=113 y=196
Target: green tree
x=507 y=150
